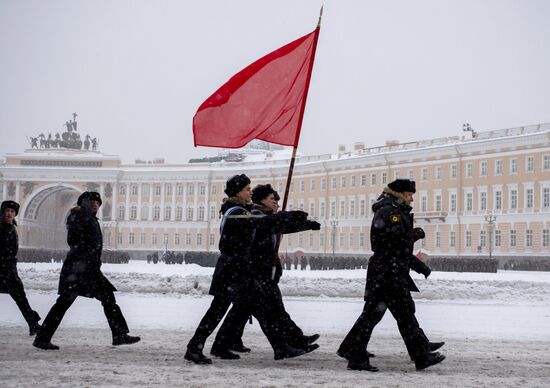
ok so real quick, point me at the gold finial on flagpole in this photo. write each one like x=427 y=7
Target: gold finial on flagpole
x=320 y=16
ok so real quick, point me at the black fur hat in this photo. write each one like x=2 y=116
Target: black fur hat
x=91 y=195
x=235 y=184
x=402 y=185
x=9 y=205
x=261 y=192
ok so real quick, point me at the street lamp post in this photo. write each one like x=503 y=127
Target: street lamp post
x=491 y=219
x=333 y=224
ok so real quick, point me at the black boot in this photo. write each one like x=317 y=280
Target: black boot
x=240 y=348
x=224 y=354
x=428 y=359
x=352 y=357
x=197 y=357
x=309 y=339
x=362 y=365
x=34 y=328
x=311 y=347
x=288 y=352
x=433 y=346
x=125 y=339
x=46 y=345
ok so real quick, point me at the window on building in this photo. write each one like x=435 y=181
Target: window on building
x=322 y=209
x=361 y=240
x=145 y=189
x=546 y=162
x=190 y=213
x=423 y=203
x=177 y=239
x=133 y=212
x=341 y=241
x=513 y=199
x=199 y=239
x=498 y=167
x=312 y=209
x=411 y=175
x=143 y=238
x=545 y=238
x=530 y=164
x=179 y=189
x=424 y=174
x=372 y=179
x=165 y=238
x=145 y=211
x=321 y=240
x=468 y=238
x=498 y=199
x=312 y=185
x=352 y=209
x=323 y=184
x=333 y=209
x=154 y=239
x=437 y=239
x=288 y=240
x=119 y=238
x=131 y=238
x=333 y=183
x=134 y=190
x=498 y=237
x=529 y=198
x=300 y=239
x=453 y=203
x=201 y=213
x=202 y=189
x=483 y=168
x=453 y=171
x=364 y=180
x=482 y=201
x=513 y=166
x=342 y=208
x=310 y=240
x=187 y=239
x=211 y=239
x=190 y=189
x=529 y=238
x=384 y=178
x=546 y=197
x=452 y=239
x=122 y=190
x=469 y=202
x=157 y=189
x=483 y=238
x=212 y=212
x=362 y=209
x=167 y=213
x=343 y=181
x=438 y=173
x=352 y=181
x=179 y=213
x=156 y=213
x=168 y=188
x=213 y=189
x=121 y=212
x=351 y=241
x=469 y=168
x=302 y=186
x=438 y=202
x=513 y=238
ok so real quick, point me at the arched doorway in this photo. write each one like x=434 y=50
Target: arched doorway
x=44 y=215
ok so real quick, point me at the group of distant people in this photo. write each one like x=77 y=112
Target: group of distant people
x=246 y=277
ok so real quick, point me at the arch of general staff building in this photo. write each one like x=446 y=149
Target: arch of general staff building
x=477 y=196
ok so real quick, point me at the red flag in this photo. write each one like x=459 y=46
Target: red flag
x=264 y=101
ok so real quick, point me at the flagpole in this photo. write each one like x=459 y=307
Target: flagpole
x=302 y=110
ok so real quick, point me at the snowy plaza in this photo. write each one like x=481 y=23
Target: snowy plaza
x=496 y=329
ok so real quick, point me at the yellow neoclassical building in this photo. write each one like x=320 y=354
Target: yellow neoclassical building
x=481 y=194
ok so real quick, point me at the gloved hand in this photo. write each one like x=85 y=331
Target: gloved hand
x=313 y=225
x=418 y=234
x=427 y=272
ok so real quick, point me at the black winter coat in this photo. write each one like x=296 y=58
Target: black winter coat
x=392 y=241
x=233 y=273
x=81 y=271
x=9 y=245
x=264 y=254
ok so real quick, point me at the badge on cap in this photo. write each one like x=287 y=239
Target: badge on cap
x=394 y=218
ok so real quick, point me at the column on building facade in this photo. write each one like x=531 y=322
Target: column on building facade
x=138 y=212
x=113 y=208
x=150 y=212
x=4 y=190
x=195 y=201
x=206 y=237
x=162 y=214
x=17 y=192
x=173 y=213
x=102 y=195
x=127 y=205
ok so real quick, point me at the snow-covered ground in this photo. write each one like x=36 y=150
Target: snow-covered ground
x=496 y=328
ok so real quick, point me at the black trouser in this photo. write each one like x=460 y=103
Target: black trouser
x=112 y=311
x=20 y=298
x=219 y=306
x=278 y=319
x=399 y=301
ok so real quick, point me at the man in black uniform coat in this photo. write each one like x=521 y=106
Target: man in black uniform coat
x=232 y=281
x=10 y=283
x=81 y=275
x=388 y=281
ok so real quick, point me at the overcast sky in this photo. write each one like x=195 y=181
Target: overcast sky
x=136 y=71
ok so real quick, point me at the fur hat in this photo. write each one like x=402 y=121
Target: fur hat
x=402 y=185
x=235 y=184
x=9 y=205
x=91 y=195
x=261 y=192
